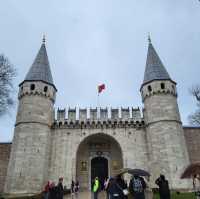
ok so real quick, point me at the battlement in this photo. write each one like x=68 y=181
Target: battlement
x=98 y=116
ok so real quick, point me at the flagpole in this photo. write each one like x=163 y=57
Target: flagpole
x=100 y=88
x=98 y=106
x=98 y=103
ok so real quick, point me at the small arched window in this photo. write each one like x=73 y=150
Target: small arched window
x=45 y=89
x=32 y=87
x=162 y=85
x=149 y=88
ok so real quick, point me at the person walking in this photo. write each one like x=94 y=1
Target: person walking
x=163 y=185
x=76 y=189
x=137 y=187
x=72 y=189
x=95 y=187
x=148 y=190
x=106 y=186
x=60 y=190
x=46 y=190
x=196 y=185
x=115 y=192
x=52 y=191
x=123 y=186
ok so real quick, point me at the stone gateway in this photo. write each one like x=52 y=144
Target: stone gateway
x=81 y=144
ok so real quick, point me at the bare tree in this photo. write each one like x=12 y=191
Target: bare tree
x=195 y=117
x=7 y=73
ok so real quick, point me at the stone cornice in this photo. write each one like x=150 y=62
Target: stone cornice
x=154 y=122
x=158 y=92
x=32 y=122
x=97 y=124
x=36 y=93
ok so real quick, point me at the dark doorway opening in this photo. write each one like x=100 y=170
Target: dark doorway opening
x=99 y=168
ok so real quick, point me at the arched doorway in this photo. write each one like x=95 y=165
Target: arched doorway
x=97 y=155
x=99 y=168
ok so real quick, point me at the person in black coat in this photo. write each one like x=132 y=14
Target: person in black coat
x=122 y=185
x=115 y=192
x=137 y=187
x=72 y=188
x=60 y=189
x=163 y=184
x=52 y=191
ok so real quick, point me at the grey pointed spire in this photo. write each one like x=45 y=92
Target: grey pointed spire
x=40 y=69
x=155 y=69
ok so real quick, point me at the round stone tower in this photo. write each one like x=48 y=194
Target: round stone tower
x=28 y=166
x=166 y=142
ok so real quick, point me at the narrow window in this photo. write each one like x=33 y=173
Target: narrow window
x=162 y=85
x=149 y=88
x=45 y=89
x=32 y=87
x=173 y=87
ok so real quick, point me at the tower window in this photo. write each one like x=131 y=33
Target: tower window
x=173 y=87
x=32 y=87
x=162 y=85
x=45 y=89
x=149 y=88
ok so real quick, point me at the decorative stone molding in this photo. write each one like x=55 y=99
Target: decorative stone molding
x=40 y=89
x=155 y=88
x=98 y=124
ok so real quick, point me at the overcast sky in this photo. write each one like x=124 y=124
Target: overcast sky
x=102 y=41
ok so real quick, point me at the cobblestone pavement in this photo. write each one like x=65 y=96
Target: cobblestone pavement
x=86 y=195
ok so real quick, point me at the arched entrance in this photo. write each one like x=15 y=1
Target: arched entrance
x=98 y=155
x=99 y=168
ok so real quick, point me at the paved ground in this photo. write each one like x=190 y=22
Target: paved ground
x=86 y=195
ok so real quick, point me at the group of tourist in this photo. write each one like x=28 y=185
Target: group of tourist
x=52 y=191
x=117 y=188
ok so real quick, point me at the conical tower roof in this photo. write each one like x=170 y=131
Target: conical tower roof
x=40 y=69
x=155 y=69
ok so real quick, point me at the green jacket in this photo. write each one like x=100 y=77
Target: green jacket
x=95 y=186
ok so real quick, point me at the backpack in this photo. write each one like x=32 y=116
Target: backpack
x=137 y=185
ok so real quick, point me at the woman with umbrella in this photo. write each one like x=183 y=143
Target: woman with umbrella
x=196 y=185
x=193 y=171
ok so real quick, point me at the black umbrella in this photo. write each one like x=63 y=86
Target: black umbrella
x=191 y=170
x=138 y=172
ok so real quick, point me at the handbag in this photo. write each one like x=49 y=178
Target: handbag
x=125 y=192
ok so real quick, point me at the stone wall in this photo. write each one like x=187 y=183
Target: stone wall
x=166 y=143
x=192 y=135
x=68 y=137
x=4 y=159
x=29 y=157
x=66 y=142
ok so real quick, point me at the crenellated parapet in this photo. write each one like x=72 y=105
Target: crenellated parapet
x=39 y=88
x=98 y=118
x=158 y=87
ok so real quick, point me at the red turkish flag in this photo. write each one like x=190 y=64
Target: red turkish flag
x=101 y=87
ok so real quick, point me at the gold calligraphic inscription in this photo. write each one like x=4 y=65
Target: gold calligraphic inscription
x=115 y=165
x=83 y=166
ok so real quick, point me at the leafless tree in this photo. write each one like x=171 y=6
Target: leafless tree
x=7 y=73
x=195 y=117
